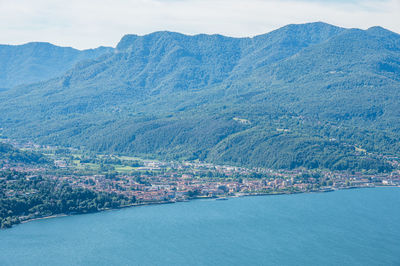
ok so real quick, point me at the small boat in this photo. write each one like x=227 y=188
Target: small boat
x=221 y=198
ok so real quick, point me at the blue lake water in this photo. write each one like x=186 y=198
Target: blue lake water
x=350 y=227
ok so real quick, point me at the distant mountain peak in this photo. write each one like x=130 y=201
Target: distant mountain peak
x=128 y=40
x=378 y=30
x=38 y=61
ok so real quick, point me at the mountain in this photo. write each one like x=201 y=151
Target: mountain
x=310 y=95
x=37 y=61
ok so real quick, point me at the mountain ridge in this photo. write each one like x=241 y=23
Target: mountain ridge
x=39 y=61
x=175 y=96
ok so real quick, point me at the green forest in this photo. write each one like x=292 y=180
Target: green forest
x=14 y=155
x=310 y=95
x=36 y=197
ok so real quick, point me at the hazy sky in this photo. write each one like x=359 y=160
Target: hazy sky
x=91 y=23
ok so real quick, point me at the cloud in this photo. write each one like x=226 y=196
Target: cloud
x=91 y=23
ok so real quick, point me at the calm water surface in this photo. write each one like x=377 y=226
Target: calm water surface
x=352 y=227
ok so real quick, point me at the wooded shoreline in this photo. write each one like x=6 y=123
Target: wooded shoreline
x=238 y=195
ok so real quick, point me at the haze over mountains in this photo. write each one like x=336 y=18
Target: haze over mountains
x=36 y=61
x=310 y=95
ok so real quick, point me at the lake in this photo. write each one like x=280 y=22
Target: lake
x=348 y=227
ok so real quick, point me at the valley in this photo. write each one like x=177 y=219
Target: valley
x=300 y=96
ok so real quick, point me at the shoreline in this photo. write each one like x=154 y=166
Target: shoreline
x=196 y=198
x=43 y=218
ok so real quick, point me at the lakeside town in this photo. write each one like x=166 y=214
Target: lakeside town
x=152 y=181
x=191 y=180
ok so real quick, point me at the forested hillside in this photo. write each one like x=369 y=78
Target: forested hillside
x=39 y=197
x=13 y=155
x=36 y=61
x=311 y=95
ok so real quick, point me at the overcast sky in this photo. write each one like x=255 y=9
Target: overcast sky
x=91 y=23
